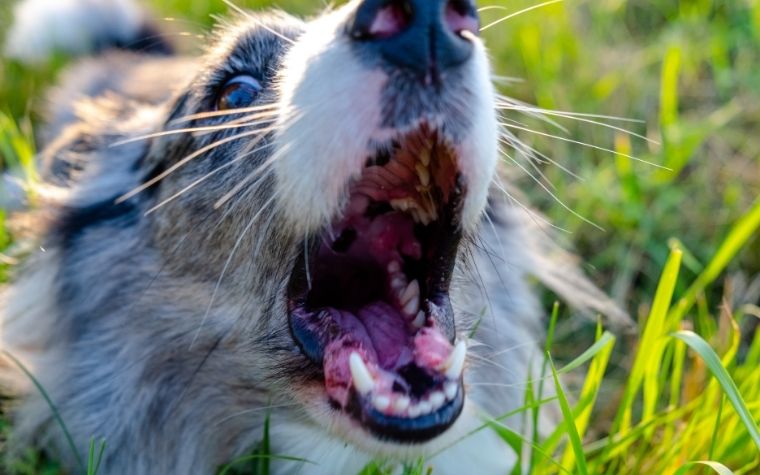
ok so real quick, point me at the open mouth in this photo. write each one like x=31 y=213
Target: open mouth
x=369 y=299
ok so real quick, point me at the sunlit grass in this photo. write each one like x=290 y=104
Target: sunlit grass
x=683 y=395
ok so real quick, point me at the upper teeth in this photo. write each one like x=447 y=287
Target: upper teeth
x=360 y=375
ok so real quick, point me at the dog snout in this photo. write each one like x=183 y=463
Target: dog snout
x=425 y=37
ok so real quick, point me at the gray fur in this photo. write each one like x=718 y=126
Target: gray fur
x=165 y=333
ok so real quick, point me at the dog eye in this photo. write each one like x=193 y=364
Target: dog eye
x=238 y=92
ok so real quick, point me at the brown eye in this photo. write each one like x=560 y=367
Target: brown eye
x=240 y=91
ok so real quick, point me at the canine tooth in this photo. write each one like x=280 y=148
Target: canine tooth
x=419 y=320
x=437 y=399
x=414 y=411
x=363 y=381
x=393 y=267
x=381 y=403
x=454 y=364
x=426 y=407
x=450 y=388
x=412 y=291
x=401 y=404
x=423 y=173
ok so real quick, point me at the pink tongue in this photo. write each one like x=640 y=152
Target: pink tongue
x=379 y=335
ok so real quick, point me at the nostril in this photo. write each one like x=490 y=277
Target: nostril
x=462 y=18
x=385 y=22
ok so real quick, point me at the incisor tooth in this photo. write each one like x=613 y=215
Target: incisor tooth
x=381 y=403
x=437 y=399
x=401 y=404
x=363 y=381
x=425 y=407
x=393 y=267
x=414 y=411
x=454 y=364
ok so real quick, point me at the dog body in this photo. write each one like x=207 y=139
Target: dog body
x=155 y=313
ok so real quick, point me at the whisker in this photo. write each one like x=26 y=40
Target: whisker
x=227 y=265
x=510 y=103
x=236 y=124
x=584 y=144
x=536 y=218
x=255 y=20
x=220 y=113
x=533 y=166
x=186 y=159
x=520 y=12
x=589 y=121
x=531 y=153
x=205 y=177
x=251 y=176
x=554 y=196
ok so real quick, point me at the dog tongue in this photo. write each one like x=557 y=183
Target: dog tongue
x=378 y=333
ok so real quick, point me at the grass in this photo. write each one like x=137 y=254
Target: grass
x=679 y=245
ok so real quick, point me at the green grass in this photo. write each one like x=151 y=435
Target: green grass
x=679 y=244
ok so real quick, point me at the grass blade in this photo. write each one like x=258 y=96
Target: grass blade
x=567 y=414
x=53 y=409
x=704 y=350
x=717 y=467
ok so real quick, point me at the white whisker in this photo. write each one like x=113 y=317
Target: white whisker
x=524 y=10
x=584 y=144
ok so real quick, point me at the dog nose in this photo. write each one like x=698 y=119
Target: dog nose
x=426 y=37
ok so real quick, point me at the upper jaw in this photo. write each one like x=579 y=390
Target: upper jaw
x=368 y=299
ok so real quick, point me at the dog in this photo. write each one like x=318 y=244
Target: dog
x=302 y=225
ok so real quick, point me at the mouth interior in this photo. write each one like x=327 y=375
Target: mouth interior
x=369 y=304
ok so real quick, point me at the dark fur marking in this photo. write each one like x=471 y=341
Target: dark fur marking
x=74 y=221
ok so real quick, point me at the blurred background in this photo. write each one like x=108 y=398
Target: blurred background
x=677 y=163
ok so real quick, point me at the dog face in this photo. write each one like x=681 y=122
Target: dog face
x=328 y=173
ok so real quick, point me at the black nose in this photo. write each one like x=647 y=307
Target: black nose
x=422 y=36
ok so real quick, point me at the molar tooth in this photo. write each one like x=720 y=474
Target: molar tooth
x=398 y=283
x=360 y=375
x=381 y=402
x=401 y=404
x=437 y=399
x=414 y=411
x=419 y=320
x=394 y=267
x=423 y=173
x=450 y=388
x=454 y=364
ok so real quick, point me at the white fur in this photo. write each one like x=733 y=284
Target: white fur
x=459 y=453
x=43 y=27
x=317 y=162
x=479 y=153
